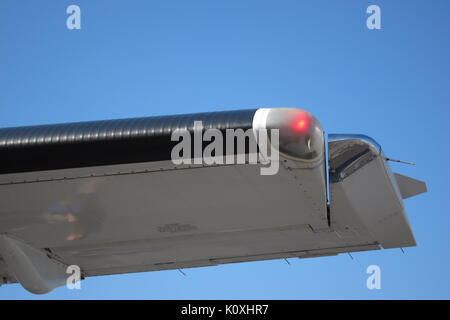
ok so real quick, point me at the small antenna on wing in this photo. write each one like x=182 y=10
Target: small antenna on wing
x=400 y=161
x=181 y=271
x=350 y=255
x=402 y=250
x=287 y=261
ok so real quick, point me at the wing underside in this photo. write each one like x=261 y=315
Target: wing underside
x=118 y=213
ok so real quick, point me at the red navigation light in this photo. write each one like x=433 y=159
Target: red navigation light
x=301 y=123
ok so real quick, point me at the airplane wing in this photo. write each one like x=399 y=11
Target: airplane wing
x=108 y=197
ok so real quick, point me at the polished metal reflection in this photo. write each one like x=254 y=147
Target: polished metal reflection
x=349 y=152
x=78 y=216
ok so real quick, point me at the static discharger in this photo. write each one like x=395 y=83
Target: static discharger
x=400 y=161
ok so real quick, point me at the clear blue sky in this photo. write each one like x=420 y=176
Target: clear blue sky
x=144 y=58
